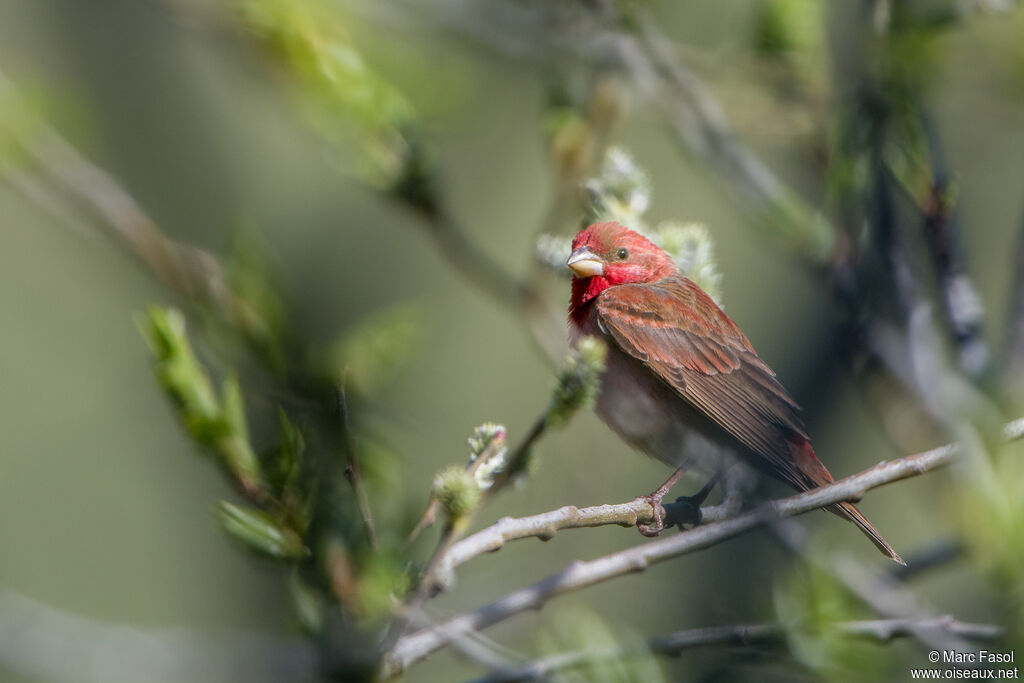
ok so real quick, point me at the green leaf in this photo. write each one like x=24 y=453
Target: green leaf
x=261 y=532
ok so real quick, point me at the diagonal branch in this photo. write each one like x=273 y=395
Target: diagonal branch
x=579 y=575
x=545 y=525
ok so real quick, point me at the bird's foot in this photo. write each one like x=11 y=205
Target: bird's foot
x=689 y=511
x=654 y=500
x=652 y=530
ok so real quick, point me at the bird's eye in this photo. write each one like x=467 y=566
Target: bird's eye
x=623 y=254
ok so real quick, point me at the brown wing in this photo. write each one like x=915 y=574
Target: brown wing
x=679 y=332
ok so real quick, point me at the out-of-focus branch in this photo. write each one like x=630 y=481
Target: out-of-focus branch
x=579 y=575
x=186 y=269
x=960 y=299
x=938 y=554
x=878 y=630
x=700 y=124
x=674 y=644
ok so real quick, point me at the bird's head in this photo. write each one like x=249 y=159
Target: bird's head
x=608 y=254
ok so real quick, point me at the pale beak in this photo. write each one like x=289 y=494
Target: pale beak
x=585 y=263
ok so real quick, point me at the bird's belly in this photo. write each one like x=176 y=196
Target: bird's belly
x=651 y=417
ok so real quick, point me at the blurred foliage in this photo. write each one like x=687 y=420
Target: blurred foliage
x=809 y=604
x=791 y=33
x=988 y=506
x=215 y=422
x=347 y=101
x=20 y=124
x=260 y=531
x=261 y=320
x=375 y=351
x=598 y=644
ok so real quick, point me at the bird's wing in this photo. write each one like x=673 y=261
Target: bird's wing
x=675 y=328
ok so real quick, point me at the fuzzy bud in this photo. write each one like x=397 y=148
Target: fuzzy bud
x=691 y=247
x=621 y=192
x=578 y=381
x=553 y=251
x=483 y=436
x=457 y=491
x=488 y=442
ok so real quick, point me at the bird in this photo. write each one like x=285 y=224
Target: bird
x=681 y=382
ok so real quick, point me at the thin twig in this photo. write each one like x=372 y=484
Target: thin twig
x=352 y=471
x=431 y=579
x=674 y=644
x=579 y=575
x=493 y=449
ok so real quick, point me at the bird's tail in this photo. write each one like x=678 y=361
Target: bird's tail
x=849 y=511
x=818 y=475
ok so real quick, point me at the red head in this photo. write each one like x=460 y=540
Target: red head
x=608 y=254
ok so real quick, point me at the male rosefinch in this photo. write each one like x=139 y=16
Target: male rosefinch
x=681 y=380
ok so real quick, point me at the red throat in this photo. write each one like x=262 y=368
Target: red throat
x=583 y=294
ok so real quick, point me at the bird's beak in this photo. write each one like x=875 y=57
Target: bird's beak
x=585 y=263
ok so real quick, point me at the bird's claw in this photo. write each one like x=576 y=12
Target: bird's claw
x=655 y=529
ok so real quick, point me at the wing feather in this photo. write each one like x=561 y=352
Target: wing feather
x=678 y=331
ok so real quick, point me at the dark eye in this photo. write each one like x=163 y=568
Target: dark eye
x=623 y=254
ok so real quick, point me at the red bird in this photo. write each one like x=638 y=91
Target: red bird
x=682 y=383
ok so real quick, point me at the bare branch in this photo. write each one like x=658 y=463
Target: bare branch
x=579 y=575
x=674 y=644
x=545 y=525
